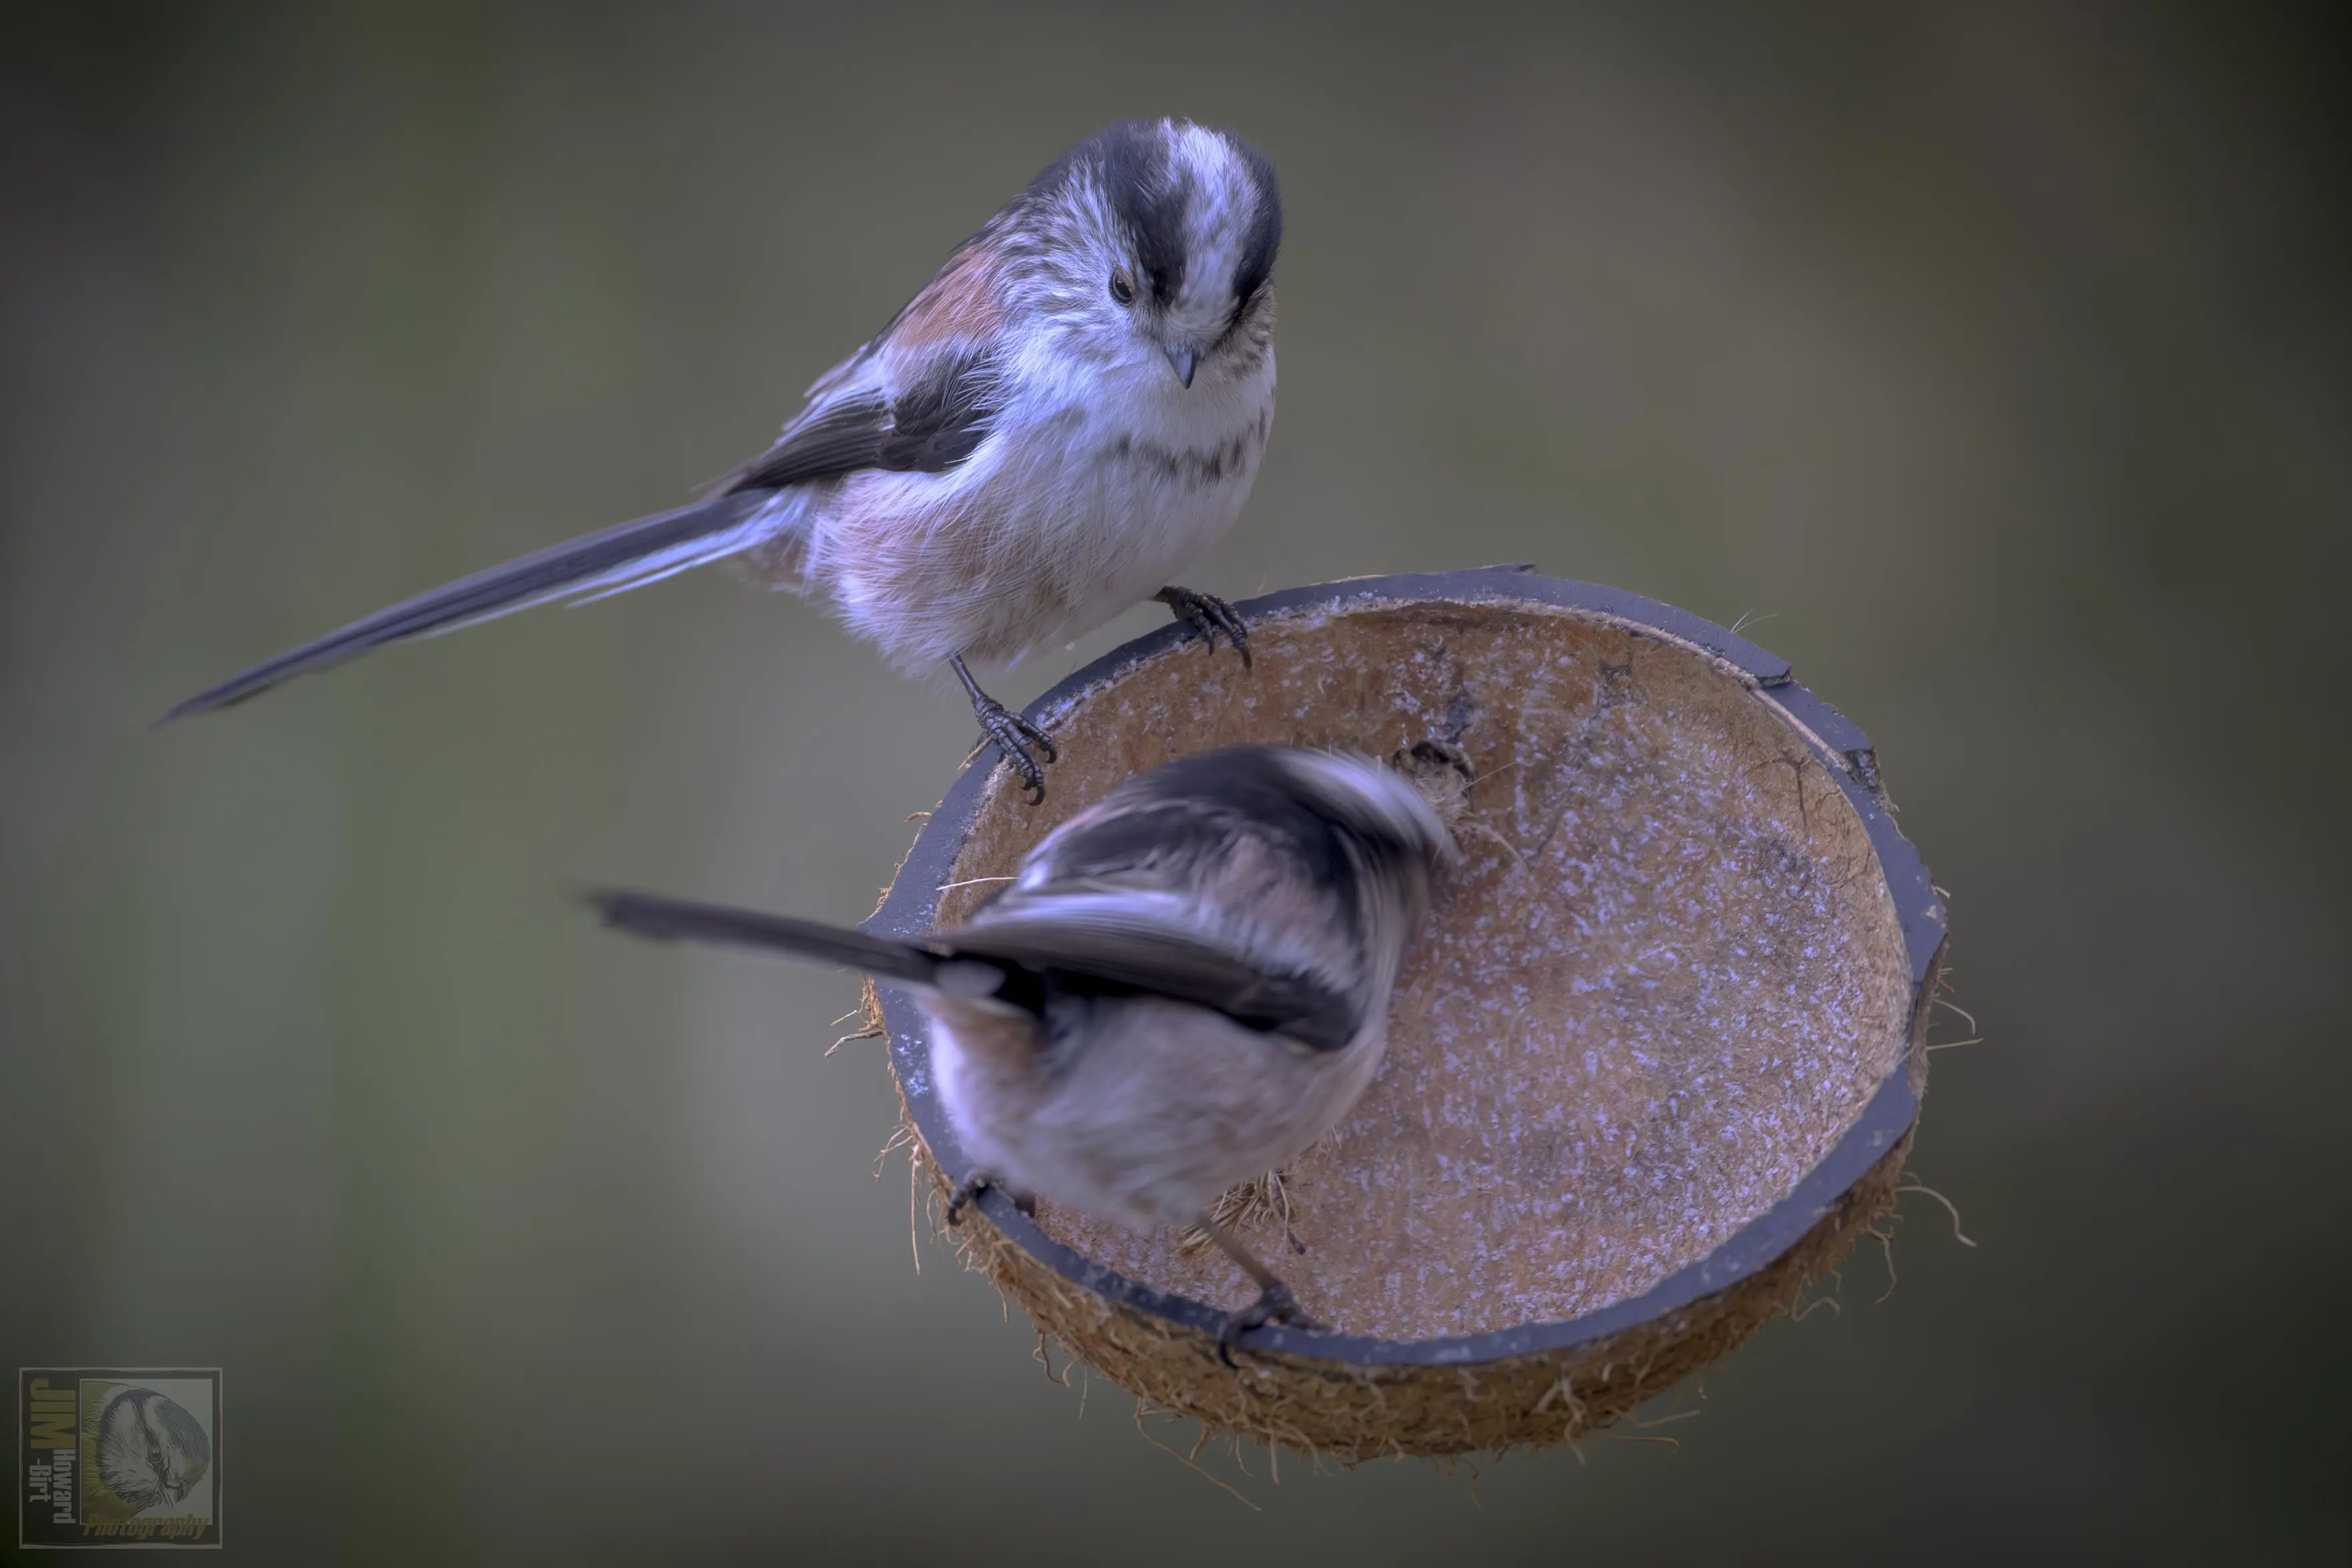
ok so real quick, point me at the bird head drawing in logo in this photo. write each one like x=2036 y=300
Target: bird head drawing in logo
x=151 y=1452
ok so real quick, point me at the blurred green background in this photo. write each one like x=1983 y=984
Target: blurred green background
x=1999 y=354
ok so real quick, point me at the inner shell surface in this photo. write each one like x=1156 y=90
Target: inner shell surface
x=1666 y=980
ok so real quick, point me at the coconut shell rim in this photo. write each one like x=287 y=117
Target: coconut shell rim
x=910 y=908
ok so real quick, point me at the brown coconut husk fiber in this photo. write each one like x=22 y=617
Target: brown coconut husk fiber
x=1653 y=1064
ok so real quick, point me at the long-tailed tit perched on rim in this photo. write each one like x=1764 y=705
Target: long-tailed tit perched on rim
x=1067 y=414
x=1186 y=984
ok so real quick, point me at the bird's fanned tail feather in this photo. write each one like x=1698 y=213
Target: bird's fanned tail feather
x=627 y=554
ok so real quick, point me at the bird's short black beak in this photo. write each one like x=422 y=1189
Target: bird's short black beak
x=1182 y=359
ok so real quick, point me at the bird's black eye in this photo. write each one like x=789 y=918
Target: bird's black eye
x=1122 y=286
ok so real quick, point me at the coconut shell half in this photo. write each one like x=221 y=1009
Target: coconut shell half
x=1653 y=1064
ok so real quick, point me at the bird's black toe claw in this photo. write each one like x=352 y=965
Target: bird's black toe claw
x=972 y=1186
x=1008 y=731
x=1014 y=735
x=1275 y=1305
x=1210 y=615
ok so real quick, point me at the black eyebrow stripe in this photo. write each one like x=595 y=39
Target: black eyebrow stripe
x=1263 y=240
x=1150 y=204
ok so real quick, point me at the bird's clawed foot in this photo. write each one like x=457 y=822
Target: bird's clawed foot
x=972 y=1186
x=1013 y=734
x=1275 y=1305
x=1211 y=615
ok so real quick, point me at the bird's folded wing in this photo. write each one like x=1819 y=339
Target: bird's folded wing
x=1132 y=949
x=943 y=411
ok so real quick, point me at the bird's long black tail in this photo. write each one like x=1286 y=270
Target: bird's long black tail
x=626 y=555
x=678 y=920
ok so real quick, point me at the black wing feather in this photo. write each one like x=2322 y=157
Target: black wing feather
x=1095 y=949
x=935 y=423
x=843 y=438
x=941 y=419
